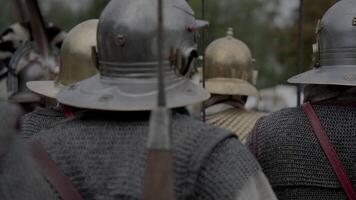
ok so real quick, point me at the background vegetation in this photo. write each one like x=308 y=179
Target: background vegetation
x=259 y=23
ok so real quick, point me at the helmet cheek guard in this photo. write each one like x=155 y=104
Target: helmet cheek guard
x=184 y=60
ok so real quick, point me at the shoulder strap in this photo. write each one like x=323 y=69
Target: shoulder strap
x=49 y=169
x=329 y=151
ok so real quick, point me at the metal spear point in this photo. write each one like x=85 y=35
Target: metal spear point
x=159 y=178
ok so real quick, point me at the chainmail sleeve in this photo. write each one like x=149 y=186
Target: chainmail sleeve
x=224 y=171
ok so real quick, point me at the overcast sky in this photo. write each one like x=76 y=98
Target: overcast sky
x=287 y=6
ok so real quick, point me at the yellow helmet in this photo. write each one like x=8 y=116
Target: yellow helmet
x=230 y=67
x=76 y=60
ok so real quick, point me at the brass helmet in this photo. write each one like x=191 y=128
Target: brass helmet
x=76 y=60
x=229 y=67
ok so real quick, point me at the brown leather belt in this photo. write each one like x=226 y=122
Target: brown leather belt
x=53 y=174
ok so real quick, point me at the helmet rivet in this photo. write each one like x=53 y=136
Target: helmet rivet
x=230 y=32
x=349 y=77
x=106 y=98
x=120 y=40
x=73 y=87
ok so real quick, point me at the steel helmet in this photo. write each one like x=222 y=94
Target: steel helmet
x=335 y=48
x=127 y=58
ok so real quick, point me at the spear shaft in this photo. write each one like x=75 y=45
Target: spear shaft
x=203 y=66
x=159 y=178
x=300 y=48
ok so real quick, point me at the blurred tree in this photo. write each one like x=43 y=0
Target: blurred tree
x=6 y=16
x=94 y=9
x=67 y=16
x=288 y=37
x=62 y=14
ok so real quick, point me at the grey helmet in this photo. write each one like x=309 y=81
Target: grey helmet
x=335 y=50
x=28 y=65
x=127 y=59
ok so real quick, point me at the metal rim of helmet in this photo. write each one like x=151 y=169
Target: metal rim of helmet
x=16 y=89
x=229 y=67
x=76 y=60
x=127 y=79
x=335 y=54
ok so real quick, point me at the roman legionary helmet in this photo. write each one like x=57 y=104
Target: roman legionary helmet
x=27 y=65
x=127 y=58
x=75 y=58
x=335 y=61
x=230 y=67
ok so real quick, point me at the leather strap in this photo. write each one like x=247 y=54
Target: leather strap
x=329 y=151
x=53 y=174
x=68 y=113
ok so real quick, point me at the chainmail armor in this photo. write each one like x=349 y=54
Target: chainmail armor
x=105 y=156
x=292 y=158
x=42 y=118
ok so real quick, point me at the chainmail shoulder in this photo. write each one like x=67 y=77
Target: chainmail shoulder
x=42 y=118
x=105 y=157
x=237 y=120
x=292 y=158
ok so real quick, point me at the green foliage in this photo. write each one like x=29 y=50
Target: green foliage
x=60 y=12
x=6 y=17
x=63 y=15
x=94 y=9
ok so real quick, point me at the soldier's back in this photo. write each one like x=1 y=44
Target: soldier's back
x=292 y=158
x=104 y=155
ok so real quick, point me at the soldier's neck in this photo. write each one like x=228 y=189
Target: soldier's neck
x=319 y=93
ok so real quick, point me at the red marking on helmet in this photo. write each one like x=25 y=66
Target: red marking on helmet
x=192 y=28
x=120 y=40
